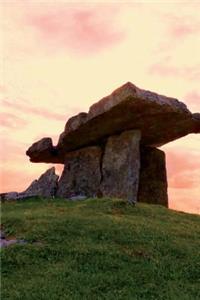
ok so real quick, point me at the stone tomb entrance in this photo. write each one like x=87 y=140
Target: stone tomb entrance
x=112 y=149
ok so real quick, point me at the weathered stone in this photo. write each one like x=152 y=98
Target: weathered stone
x=43 y=151
x=160 y=119
x=11 y=195
x=81 y=175
x=2 y=235
x=153 y=177
x=5 y=243
x=78 y=198
x=45 y=186
x=120 y=166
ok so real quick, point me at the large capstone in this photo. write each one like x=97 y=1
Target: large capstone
x=153 y=177
x=160 y=119
x=121 y=166
x=81 y=175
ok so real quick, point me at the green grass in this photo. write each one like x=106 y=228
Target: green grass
x=99 y=249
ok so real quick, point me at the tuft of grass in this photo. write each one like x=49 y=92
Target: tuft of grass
x=99 y=249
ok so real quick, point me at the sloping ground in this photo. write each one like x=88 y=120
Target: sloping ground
x=99 y=249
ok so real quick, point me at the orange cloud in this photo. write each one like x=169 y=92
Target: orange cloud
x=183 y=170
x=193 y=99
x=181 y=161
x=182 y=200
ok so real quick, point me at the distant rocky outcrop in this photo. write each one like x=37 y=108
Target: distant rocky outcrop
x=111 y=150
x=46 y=186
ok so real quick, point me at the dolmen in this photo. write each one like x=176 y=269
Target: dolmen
x=111 y=151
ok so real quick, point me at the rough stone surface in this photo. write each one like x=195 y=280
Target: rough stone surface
x=43 y=151
x=160 y=119
x=121 y=164
x=9 y=196
x=7 y=242
x=45 y=186
x=153 y=177
x=81 y=175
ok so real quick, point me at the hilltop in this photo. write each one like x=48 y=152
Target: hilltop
x=99 y=249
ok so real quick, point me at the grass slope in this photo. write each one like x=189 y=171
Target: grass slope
x=99 y=249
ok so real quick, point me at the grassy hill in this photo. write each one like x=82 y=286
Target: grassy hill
x=99 y=249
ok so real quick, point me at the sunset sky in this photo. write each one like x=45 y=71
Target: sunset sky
x=59 y=57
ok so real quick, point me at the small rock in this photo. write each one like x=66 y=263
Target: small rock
x=78 y=197
x=2 y=235
x=6 y=243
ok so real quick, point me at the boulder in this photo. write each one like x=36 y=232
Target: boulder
x=153 y=177
x=160 y=119
x=81 y=175
x=121 y=165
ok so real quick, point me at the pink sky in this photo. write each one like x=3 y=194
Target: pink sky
x=60 y=57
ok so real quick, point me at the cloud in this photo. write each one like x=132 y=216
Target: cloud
x=12 y=121
x=83 y=30
x=2 y=89
x=40 y=111
x=193 y=99
x=183 y=27
x=184 y=200
x=12 y=152
x=183 y=169
x=165 y=69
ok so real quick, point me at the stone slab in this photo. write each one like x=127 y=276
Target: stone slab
x=81 y=175
x=153 y=177
x=121 y=165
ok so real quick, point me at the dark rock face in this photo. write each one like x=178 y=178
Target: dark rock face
x=153 y=177
x=81 y=175
x=121 y=165
x=9 y=196
x=45 y=186
x=43 y=151
x=160 y=119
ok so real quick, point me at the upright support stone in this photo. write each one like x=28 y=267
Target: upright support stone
x=153 y=177
x=81 y=174
x=121 y=165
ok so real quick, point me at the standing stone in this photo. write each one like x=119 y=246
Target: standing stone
x=81 y=175
x=153 y=177
x=121 y=165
